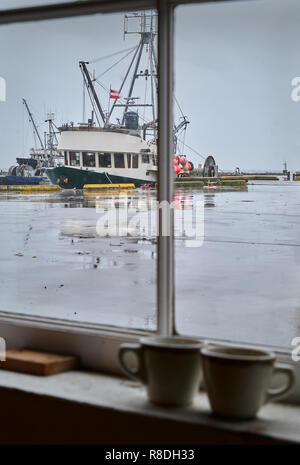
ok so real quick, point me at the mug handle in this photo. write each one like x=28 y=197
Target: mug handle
x=278 y=393
x=138 y=374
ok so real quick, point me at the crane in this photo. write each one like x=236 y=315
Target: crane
x=92 y=92
x=31 y=119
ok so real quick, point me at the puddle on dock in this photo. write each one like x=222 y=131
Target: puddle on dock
x=246 y=275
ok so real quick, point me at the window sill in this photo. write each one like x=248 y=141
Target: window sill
x=96 y=399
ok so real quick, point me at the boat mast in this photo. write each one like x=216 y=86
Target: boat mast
x=52 y=141
x=31 y=119
x=123 y=82
x=147 y=31
x=146 y=27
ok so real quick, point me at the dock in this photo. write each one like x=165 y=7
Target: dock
x=28 y=189
x=200 y=182
x=93 y=187
x=252 y=177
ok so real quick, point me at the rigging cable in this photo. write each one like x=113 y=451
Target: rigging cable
x=23 y=132
x=176 y=101
x=193 y=150
x=111 y=55
x=115 y=64
x=146 y=87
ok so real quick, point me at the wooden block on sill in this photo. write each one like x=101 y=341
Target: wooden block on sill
x=38 y=363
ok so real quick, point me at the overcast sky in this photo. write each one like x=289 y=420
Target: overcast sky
x=234 y=67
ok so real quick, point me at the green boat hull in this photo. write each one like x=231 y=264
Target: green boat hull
x=72 y=178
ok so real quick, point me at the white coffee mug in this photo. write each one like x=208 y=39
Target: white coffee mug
x=238 y=380
x=170 y=367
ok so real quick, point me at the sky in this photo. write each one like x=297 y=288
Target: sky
x=234 y=64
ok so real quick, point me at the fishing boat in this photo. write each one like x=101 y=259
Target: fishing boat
x=100 y=151
x=124 y=150
x=109 y=155
x=31 y=170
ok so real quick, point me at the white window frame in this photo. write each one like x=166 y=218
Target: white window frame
x=98 y=345
x=69 y=159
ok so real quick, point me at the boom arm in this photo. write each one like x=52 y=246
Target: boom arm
x=90 y=86
x=33 y=123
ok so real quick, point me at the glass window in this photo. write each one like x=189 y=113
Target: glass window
x=135 y=160
x=66 y=158
x=88 y=158
x=129 y=160
x=242 y=256
x=104 y=160
x=145 y=158
x=75 y=158
x=119 y=160
x=92 y=235
x=154 y=160
x=233 y=295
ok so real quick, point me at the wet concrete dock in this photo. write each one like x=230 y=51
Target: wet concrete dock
x=241 y=284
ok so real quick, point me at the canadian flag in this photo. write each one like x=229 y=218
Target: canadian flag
x=114 y=94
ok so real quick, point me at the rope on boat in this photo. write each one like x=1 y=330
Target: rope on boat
x=193 y=150
x=107 y=177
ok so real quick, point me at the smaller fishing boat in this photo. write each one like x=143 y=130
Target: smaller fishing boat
x=31 y=170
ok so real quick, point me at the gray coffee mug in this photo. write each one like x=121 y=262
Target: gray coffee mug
x=238 y=380
x=170 y=367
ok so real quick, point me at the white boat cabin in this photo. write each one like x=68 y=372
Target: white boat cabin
x=116 y=151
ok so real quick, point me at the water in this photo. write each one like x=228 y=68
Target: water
x=242 y=284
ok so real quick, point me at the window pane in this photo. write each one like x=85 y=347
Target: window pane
x=145 y=158
x=128 y=160
x=119 y=160
x=78 y=254
x=104 y=160
x=74 y=158
x=135 y=160
x=66 y=158
x=88 y=159
x=242 y=282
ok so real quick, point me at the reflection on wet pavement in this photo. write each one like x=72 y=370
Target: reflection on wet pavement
x=241 y=284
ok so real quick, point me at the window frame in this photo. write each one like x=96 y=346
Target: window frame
x=124 y=164
x=98 y=345
x=70 y=161
x=89 y=154
x=106 y=154
x=128 y=160
x=135 y=157
x=145 y=156
x=66 y=158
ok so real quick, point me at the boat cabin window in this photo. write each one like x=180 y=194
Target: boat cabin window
x=128 y=160
x=88 y=159
x=145 y=158
x=104 y=160
x=66 y=158
x=135 y=160
x=119 y=160
x=154 y=160
x=74 y=158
